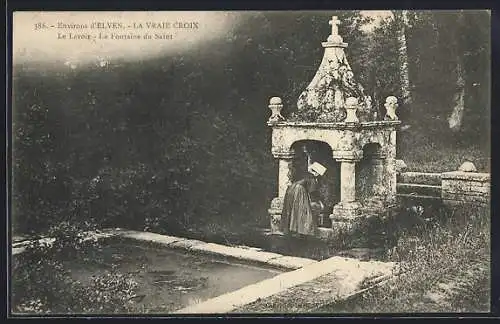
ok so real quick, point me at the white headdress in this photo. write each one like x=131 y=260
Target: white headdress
x=318 y=168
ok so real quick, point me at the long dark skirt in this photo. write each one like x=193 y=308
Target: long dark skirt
x=297 y=215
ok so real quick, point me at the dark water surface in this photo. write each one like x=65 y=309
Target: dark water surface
x=170 y=279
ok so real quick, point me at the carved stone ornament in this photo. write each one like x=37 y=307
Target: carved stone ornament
x=275 y=104
x=391 y=104
x=351 y=105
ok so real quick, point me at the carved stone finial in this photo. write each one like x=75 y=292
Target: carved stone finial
x=334 y=23
x=334 y=36
x=275 y=101
x=275 y=104
x=391 y=104
x=351 y=105
x=351 y=102
x=400 y=165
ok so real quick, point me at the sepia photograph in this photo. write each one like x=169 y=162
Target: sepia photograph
x=318 y=162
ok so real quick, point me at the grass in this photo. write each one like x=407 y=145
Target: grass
x=425 y=150
x=446 y=269
x=444 y=159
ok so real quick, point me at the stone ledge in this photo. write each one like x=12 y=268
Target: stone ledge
x=348 y=273
x=422 y=189
x=462 y=203
x=240 y=253
x=289 y=262
x=420 y=178
x=467 y=191
x=459 y=187
x=465 y=183
x=334 y=44
x=466 y=197
x=470 y=176
x=150 y=237
x=247 y=254
x=20 y=247
x=403 y=197
x=237 y=253
x=315 y=294
x=338 y=125
x=349 y=155
x=24 y=244
x=186 y=244
x=18 y=250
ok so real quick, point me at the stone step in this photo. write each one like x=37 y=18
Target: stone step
x=418 y=197
x=420 y=178
x=419 y=189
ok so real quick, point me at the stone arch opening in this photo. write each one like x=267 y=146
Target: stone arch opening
x=305 y=153
x=367 y=173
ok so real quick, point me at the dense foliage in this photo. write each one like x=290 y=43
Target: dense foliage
x=42 y=284
x=180 y=140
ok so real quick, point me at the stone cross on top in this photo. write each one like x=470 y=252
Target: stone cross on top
x=334 y=23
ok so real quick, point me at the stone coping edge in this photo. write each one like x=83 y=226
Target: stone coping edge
x=470 y=176
x=422 y=174
x=380 y=281
x=274 y=260
x=239 y=253
x=344 y=266
x=339 y=125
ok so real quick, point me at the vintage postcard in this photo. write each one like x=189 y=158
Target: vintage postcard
x=250 y=162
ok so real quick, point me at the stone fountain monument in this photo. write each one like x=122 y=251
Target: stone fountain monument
x=335 y=121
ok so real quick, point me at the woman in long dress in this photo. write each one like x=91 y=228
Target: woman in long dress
x=299 y=211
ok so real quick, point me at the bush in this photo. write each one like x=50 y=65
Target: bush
x=41 y=284
x=108 y=293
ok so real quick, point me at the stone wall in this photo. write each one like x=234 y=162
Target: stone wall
x=426 y=178
x=465 y=187
x=453 y=188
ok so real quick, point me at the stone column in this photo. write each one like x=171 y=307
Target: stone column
x=390 y=169
x=348 y=208
x=347 y=181
x=284 y=174
x=285 y=160
x=379 y=190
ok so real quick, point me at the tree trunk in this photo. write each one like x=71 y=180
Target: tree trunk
x=401 y=18
x=457 y=114
x=456 y=117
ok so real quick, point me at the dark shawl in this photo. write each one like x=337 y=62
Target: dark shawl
x=297 y=215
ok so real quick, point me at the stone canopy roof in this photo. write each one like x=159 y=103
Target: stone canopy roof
x=325 y=97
